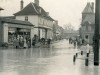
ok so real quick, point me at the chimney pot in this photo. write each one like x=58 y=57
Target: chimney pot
x=56 y=22
x=47 y=13
x=22 y=4
x=36 y=2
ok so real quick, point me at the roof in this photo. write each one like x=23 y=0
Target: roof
x=90 y=18
x=9 y=17
x=88 y=9
x=33 y=9
x=14 y=21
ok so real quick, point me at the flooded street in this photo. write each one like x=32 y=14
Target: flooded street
x=44 y=61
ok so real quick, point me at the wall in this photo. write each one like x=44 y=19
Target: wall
x=5 y=32
x=32 y=33
x=45 y=22
x=31 y=18
x=1 y=33
x=36 y=31
x=49 y=34
x=87 y=29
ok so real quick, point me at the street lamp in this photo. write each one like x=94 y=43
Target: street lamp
x=96 y=34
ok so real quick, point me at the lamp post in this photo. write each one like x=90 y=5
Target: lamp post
x=96 y=34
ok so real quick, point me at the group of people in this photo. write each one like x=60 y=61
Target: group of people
x=26 y=42
x=76 y=42
x=22 y=42
x=42 y=41
x=81 y=44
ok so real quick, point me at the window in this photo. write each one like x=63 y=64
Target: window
x=90 y=28
x=26 y=18
x=87 y=27
x=86 y=36
x=84 y=28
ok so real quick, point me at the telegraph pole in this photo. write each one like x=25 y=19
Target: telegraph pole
x=96 y=34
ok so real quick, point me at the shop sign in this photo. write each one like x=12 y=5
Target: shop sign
x=11 y=29
x=24 y=30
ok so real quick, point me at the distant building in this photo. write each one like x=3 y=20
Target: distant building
x=88 y=23
x=58 y=31
x=71 y=33
x=38 y=17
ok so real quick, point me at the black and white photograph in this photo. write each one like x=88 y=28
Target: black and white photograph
x=49 y=37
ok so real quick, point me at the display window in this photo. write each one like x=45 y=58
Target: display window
x=14 y=33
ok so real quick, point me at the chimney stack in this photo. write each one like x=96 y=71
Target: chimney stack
x=47 y=13
x=92 y=6
x=36 y=2
x=56 y=22
x=21 y=4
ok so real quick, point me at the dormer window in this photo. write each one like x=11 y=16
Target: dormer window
x=26 y=18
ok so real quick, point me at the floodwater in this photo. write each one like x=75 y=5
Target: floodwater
x=44 y=61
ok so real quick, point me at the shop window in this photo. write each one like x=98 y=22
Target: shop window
x=26 y=18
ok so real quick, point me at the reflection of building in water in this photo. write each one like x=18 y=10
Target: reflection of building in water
x=11 y=28
x=88 y=23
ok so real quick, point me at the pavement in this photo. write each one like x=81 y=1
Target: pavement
x=56 y=60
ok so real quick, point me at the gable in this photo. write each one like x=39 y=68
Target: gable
x=28 y=10
x=90 y=18
x=88 y=9
x=33 y=9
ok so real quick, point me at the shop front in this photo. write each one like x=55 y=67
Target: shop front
x=17 y=33
x=15 y=29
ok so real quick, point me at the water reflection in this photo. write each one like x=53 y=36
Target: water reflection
x=96 y=70
x=25 y=61
x=42 y=61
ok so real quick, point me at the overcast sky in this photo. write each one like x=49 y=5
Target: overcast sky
x=65 y=11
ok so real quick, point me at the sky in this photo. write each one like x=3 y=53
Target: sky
x=65 y=11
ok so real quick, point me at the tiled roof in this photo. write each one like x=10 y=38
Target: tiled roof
x=9 y=17
x=14 y=21
x=90 y=18
x=88 y=9
x=33 y=9
x=28 y=10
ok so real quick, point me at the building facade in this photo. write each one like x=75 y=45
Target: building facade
x=11 y=29
x=38 y=17
x=88 y=23
x=58 y=31
x=71 y=33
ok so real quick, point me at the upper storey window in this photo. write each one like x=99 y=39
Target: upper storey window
x=26 y=18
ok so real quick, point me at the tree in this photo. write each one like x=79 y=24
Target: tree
x=68 y=27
